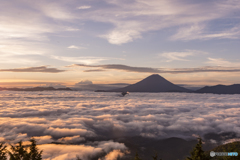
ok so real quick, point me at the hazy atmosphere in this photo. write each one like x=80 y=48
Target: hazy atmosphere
x=97 y=121
x=108 y=79
x=113 y=41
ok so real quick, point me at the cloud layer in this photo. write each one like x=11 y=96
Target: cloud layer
x=88 y=119
x=126 y=68
x=44 y=69
x=129 y=19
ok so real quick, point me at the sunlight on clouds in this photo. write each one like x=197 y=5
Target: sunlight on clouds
x=73 y=139
x=55 y=10
x=121 y=36
x=179 y=56
x=63 y=132
x=84 y=60
x=12 y=60
x=200 y=32
x=76 y=47
x=86 y=117
x=43 y=139
x=133 y=19
x=189 y=33
x=24 y=30
x=167 y=14
x=81 y=117
x=84 y=7
x=67 y=152
x=85 y=152
x=114 y=155
x=222 y=62
x=22 y=49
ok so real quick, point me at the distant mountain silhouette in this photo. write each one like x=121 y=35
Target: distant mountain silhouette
x=35 y=89
x=153 y=83
x=221 y=89
x=229 y=147
x=147 y=147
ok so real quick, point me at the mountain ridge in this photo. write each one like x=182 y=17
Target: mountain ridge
x=36 y=89
x=152 y=83
x=221 y=89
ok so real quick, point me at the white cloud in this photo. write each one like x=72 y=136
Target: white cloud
x=84 y=82
x=55 y=85
x=189 y=33
x=232 y=140
x=43 y=139
x=195 y=31
x=121 y=36
x=76 y=47
x=22 y=49
x=55 y=10
x=64 y=132
x=84 y=7
x=70 y=114
x=4 y=59
x=69 y=152
x=114 y=155
x=180 y=56
x=72 y=29
x=222 y=62
x=84 y=60
x=71 y=140
x=131 y=19
x=77 y=117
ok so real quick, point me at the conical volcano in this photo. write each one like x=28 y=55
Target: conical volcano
x=153 y=83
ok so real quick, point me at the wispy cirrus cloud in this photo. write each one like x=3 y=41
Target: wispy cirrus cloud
x=222 y=62
x=84 y=7
x=43 y=69
x=84 y=60
x=131 y=19
x=10 y=59
x=196 y=31
x=118 y=67
x=180 y=56
x=22 y=48
x=54 y=10
x=126 y=68
x=76 y=47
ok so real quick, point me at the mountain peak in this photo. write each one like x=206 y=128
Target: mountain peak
x=155 y=76
x=153 y=83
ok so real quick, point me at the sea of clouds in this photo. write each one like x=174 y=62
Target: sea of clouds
x=86 y=123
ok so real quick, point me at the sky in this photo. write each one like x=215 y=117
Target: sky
x=119 y=41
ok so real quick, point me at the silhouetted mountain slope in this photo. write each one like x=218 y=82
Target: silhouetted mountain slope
x=35 y=89
x=153 y=83
x=230 y=147
x=221 y=89
x=167 y=149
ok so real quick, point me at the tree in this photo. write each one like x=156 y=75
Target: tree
x=137 y=157
x=197 y=153
x=18 y=152
x=156 y=157
x=78 y=158
x=34 y=154
x=3 y=152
